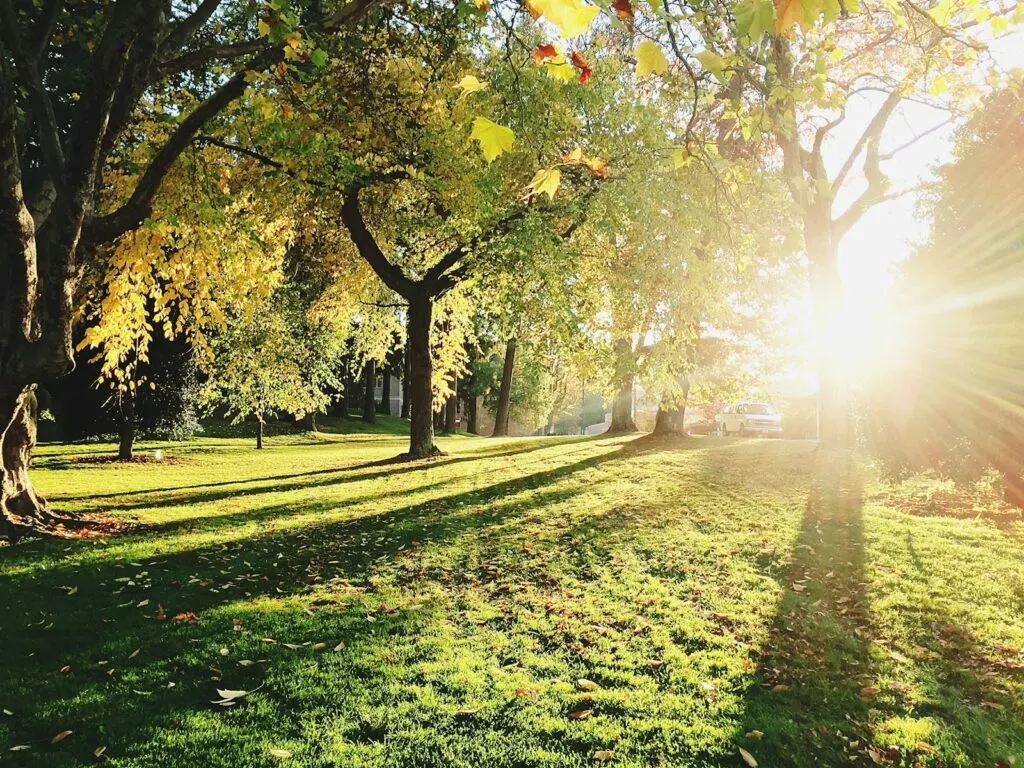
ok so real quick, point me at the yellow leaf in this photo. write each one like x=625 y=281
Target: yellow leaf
x=470 y=84
x=604 y=754
x=939 y=86
x=282 y=753
x=1000 y=24
x=263 y=28
x=748 y=758
x=482 y=5
x=572 y=17
x=60 y=736
x=788 y=13
x=680 y=158
x=561 y=70
x=545 y=180
x=494 y=139
x=711 y=61
x=650 y=59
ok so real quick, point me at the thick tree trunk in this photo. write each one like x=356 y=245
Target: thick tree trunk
x=451 y=408
x=384 y=407
x=21 y=508
x=827 y=297
x=622 y=406
x=421 y=394
x=308 y=422
x=126 y=432
x=472 y=415
x=501 y=414
x=259 y=434
x=369 y=402
x=671 y=416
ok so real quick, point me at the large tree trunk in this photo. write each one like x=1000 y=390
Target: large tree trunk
x=451 y=408
x=369 y=402
x=671 y=415
x=421 y=394
x=126 y=432
x=472 y=414
x=622 y=406
x=827 y=297
x=384 y=407
x=21 y=507
x=308 y=422
x=501 y=415
x=259 y=434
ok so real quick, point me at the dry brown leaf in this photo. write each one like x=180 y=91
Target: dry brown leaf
x=748 y=758
x=581 y=714
x=98 y=752
x=604 y=754
x=60 y=736
x=756 y=735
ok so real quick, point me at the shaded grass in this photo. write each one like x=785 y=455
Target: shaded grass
x=444 y=614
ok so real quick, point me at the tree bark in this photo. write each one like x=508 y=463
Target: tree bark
x=259 y=434
x=421 y=393
x=451 y=408
x=384 y=407
x=369 y=402
x=622 y=406
x=472 y=415
x=501 y=414
x=671 y=415
x=126 y=432
x=406 y=373
x=308 y=422
x=21 y=508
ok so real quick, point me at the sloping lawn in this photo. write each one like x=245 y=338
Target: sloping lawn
x=525 y=602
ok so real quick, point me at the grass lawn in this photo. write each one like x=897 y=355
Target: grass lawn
x=523 y=602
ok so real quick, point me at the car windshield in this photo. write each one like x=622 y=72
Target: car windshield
x=759 y=409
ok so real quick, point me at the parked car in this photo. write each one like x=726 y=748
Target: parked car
x=750 y=419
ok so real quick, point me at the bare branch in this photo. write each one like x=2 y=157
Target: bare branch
x=47 y=21
x=871 y=133
x=366 y=244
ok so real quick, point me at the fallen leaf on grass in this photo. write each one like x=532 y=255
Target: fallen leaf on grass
x=581 y=714
x=587 y=685
x=525 y=693
x=757 y=735
x=282 y=753
x=19 y=748
x=780 y=688
x=98 y=752
x=870 y=690
x=188 y=617
x=468 y=712
x=928 y=749
x=748 y=758
x=60 y=736
x=604 y=754
x=134 y=653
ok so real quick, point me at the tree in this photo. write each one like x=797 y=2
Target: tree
x=798 y=80
x=958 y=409
x=261 y=368
x=73 y=82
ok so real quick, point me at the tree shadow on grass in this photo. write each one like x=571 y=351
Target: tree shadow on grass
x=92 y=644
x=815 y=678
x=299 y=480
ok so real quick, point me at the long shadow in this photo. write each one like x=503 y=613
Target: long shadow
x=814 y=681
x=71 y=663
x=281 y=483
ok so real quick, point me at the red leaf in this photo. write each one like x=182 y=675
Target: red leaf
x=544 y=52
x=623 y=9
x=580 y=64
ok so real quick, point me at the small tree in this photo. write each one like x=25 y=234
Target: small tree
x=260 y=368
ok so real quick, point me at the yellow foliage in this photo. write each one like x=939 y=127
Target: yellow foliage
x=650 y=60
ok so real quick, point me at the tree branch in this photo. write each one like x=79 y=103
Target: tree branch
x=872 y=132
x=202 y=56
x=39 y=99
x=184 y=31
x=366 y=244
x=47 y=22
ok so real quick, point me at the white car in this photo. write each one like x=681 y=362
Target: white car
x=749 y=419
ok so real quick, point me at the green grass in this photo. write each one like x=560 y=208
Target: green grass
x=456 y=613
